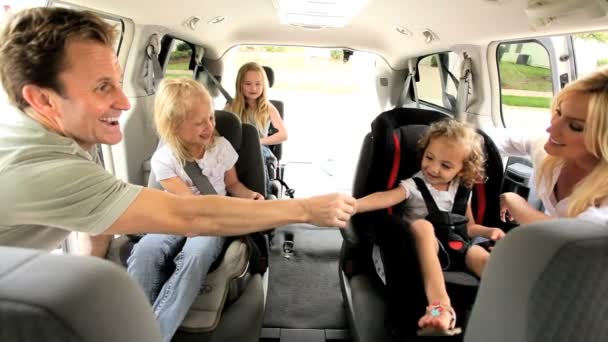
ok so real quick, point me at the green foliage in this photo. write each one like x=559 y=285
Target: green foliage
x=526 y=101
x=525 y=77
x=180 y=55
x=183 y=47
x=601 y=37
x=601 y=62
x=336 y=54
x=434 y=61
x=178 y=66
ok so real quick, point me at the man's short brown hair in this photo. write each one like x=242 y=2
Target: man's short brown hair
x=33 y=43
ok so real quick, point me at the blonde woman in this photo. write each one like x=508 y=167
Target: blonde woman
x=571 y=163
x=185 y=120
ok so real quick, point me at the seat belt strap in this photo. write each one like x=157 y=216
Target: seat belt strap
x=199 y=179
x=464 y=88
x=461 y=200
x=198 y=55
x=217 y=84
x=152 y=71
x=431 y=206
x=412 y=77
x=406 y=89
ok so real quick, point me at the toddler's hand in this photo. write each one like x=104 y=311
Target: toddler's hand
x=256 y=196
x=495 y=234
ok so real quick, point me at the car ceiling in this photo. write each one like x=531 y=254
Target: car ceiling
x=454 y=22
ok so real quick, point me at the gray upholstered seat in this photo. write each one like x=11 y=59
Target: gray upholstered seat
x=47 y=297
x=545 y=282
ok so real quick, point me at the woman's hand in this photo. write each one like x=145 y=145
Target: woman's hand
x=506 y=200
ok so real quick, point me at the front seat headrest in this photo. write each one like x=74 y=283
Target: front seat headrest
x=48 y=297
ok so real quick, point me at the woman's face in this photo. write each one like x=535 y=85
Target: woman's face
x=566 y=133
x=252 y=85
x=199 y=126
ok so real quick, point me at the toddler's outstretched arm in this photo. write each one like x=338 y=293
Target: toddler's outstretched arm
x=381 y=200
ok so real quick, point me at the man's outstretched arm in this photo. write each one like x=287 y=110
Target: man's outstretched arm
x=155 y=211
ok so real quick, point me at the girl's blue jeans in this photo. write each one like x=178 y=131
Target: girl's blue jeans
x=171 y=270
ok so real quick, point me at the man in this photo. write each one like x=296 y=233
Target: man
x=62 y=78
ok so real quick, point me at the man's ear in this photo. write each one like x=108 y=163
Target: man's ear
x=42 y=100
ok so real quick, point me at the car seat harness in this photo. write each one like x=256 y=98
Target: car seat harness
x=450 y=227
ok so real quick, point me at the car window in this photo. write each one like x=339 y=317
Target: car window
x=179 y=60
x=325 y=94
x=526 y=85
x=436 y=79
x=591 y=51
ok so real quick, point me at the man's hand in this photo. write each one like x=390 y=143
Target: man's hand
x=332 y=210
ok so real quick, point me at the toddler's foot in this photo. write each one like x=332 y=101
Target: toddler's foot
x=439 y=320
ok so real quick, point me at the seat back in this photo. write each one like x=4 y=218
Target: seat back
x=277 y=149
x=245 y=140
x=545 y=281
x=48 y=297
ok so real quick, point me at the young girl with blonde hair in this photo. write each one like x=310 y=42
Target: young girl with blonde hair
x=185 y=121
x=251 y=105
x=452 y=162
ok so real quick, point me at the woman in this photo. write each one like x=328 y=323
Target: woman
x=571 y=164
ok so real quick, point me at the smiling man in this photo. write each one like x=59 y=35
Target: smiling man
x=62 y=79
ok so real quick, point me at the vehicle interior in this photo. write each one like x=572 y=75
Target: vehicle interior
x=338 y=66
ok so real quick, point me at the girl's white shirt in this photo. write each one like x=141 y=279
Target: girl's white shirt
x=217 y=159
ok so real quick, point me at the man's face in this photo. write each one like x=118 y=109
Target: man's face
x=92 y=101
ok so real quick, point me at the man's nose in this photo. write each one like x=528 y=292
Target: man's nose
x=122 y=102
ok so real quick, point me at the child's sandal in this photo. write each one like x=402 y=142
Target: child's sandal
x=435 y=310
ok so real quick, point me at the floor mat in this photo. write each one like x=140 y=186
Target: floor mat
x=304 y=291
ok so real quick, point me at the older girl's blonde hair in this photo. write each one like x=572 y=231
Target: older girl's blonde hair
x=473 y=170
x=593 y=189
x=261 y=114
x=174 y=100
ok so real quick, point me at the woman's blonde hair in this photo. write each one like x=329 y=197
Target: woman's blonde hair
x=174 y=100
x=593 y=189
x=473 y=170
x=261 y=113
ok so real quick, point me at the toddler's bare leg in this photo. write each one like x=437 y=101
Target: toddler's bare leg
x=434 y=283
x=476 y=259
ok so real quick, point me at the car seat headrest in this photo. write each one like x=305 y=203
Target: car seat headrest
x=229 y=126
x=269 y=75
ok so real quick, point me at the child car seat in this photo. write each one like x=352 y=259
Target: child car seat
x=389 y=154
x=231 y=307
